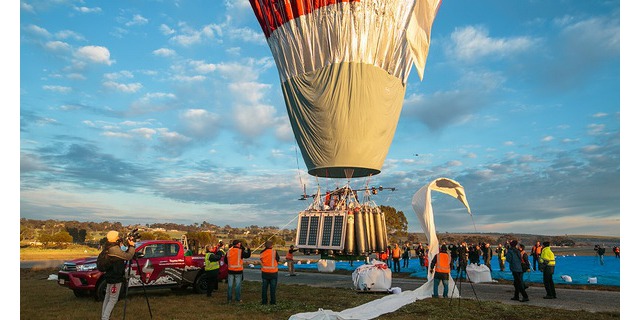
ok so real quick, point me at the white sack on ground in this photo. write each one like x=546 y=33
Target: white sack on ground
x=372 y=277
x=325 y=265
x=478 y=273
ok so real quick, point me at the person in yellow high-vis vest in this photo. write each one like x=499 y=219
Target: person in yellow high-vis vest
x=269 y=260
x=211 y=268
x=234 y=261
x=548 y=264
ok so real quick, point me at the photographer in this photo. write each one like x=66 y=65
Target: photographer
x=234 y=257
x=114 y=276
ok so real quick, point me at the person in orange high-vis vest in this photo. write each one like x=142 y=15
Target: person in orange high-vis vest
x=440 y=266
x=535 y=253
x=234 y=261
x=290 y=262
x=395 y=254
x=269 y=260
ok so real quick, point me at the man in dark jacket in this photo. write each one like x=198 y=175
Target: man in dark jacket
x=114 y=276
x=515 y=265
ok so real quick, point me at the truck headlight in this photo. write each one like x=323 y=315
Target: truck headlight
x=87 y=267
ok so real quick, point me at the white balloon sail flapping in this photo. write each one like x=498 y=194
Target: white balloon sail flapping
x=421 y=203
x=343 y=67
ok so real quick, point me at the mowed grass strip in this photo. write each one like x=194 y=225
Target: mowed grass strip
x=45 y=299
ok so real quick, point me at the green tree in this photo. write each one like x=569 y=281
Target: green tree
x=396 y=222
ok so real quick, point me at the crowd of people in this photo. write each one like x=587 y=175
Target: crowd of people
x=450 y=257
x=458 y=256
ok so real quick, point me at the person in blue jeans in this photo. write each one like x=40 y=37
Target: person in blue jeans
x=441 y=267
x=234 y=260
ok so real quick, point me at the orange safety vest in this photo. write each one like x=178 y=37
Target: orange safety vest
x=538 y=250
x=442 y=265
x=234 y=257
x=396 y=252
x=289 y=255
x=268 y=261
x=384 y=255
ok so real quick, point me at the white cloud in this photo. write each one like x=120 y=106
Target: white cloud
x=146 y=133
x=68 y=34
x=137 y=20
x=38 y=31
x=202 y=67
x=172 y=138
x=473 y=43
x=164 y=52
x=122 y=87
x=189 y=36
x=547 y=139
x=26 y=7
x=246 y=34
x=88 y=10
x=166 y=30
x=57 y=46
x=96 y=54
x=200 y=123
x=118 y=75
x=152 y=102
x=59 y=89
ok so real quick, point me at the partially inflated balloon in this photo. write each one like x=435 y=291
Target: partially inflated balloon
x=343 y=67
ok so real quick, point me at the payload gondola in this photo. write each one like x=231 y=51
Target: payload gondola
x=339 y=224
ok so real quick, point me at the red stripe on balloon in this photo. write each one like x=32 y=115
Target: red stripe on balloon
x=271 y=14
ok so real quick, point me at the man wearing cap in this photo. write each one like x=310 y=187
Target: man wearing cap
x=548 y=264
x=114 y=276
x=269 y=260
x=515 y=265
x=234 y=261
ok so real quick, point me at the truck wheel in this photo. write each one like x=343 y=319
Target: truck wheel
x=101 y=290
x=200 y=286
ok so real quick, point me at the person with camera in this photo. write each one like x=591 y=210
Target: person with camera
x=114 y=276
x=234 y=261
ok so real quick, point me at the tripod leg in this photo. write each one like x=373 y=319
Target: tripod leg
x=144 y=289
x=474 y=290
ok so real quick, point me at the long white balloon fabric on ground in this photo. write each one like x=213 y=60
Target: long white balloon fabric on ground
x=343 y=67
x=421 y=203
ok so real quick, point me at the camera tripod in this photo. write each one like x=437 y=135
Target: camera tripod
x=126 y=287
x=458 y=282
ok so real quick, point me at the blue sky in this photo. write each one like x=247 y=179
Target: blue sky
x=171 y=111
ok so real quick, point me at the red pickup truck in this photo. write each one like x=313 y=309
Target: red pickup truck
x=159 y=264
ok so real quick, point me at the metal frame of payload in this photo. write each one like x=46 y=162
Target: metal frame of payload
x=337 y=223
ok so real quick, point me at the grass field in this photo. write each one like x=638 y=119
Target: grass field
x=41 y=298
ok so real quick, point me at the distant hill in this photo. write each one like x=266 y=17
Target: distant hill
x=494 y=238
